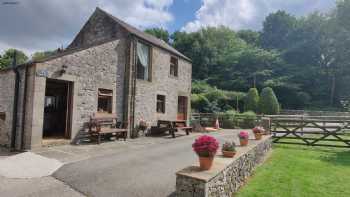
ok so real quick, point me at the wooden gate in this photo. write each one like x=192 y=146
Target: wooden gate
x=312 y=131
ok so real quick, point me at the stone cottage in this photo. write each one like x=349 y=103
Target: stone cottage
x=110 y=67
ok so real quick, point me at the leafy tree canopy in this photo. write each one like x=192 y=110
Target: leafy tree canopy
x=6 y=60
x=159 y=33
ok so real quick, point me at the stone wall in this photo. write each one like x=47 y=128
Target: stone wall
x=7 y=92
x=227 y=174
x=163 y=84
x=101 y=66
x=7 y=86
x=98 y=28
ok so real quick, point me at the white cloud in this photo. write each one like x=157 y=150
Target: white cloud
x=243 y=14
x=41 y=25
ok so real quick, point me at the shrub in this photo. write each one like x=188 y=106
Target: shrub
x=268 y=103
x=205 y=146
x=251 y=101
x=247 y=120
x=227 y=119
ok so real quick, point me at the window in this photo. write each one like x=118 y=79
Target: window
x=173 y=66
x=143 y=61
x=105 y=98
x=161 y=104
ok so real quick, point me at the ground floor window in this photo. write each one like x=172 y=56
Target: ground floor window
x=160 y=103
x=105 y=99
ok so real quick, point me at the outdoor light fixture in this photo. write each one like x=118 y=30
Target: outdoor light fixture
x=63 y=69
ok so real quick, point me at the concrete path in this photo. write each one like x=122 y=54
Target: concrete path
x=146 y=170
x=139 y=167
x=28 y=165
x=37 y=187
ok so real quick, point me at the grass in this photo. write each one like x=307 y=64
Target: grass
x=297 y=171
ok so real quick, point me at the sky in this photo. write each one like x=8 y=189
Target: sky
x=39 y=25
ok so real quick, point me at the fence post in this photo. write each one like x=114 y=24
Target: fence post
x=266 y=124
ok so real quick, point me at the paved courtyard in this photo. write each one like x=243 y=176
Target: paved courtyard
x=140 y=167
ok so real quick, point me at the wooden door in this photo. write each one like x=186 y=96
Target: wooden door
x=182 y=108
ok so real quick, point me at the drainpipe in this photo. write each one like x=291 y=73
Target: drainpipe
x=15 y=106
x=24 y=107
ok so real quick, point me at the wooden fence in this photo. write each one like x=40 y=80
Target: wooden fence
x=333 y=131
x=226 y=121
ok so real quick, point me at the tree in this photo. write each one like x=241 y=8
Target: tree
x=37 y=56
x=251 y=102
x=249 y=36
x=7 y=58
x=268 y=103
x=159 y=33
x=277 y=28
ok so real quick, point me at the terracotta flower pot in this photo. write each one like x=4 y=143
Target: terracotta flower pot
x=229 y=154
x=205 y=163
x=243 y=142
x=258 y=136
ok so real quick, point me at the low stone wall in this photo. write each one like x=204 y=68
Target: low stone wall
x=227 y=174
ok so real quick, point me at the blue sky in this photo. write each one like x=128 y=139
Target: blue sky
x=38 y=25
x=184 y=11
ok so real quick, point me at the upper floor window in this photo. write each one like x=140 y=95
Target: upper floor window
x=105 y=99
x=143 y=61
x=173 y=66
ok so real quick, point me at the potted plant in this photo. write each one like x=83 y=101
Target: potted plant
x=206 y=147
x=229 y=149
x=258 y=132
x=243 y=138
x=142 y=126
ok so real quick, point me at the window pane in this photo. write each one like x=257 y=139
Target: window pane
x=143 y=61
x=173 y=66
x=105 y=98
x=160 y=104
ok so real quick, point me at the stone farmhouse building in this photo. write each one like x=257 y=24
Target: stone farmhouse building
x=110 y=67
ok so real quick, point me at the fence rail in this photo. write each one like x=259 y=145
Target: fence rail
x=312 y=130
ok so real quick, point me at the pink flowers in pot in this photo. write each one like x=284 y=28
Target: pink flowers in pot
x=205 y=146
x=258 y=129
x=243 y=135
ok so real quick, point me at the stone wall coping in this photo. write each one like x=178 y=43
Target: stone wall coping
x=220 y=163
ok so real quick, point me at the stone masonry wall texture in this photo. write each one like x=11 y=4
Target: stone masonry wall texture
x=229 y=180
x=163 y=84
x=97 y=67
x=7 y=84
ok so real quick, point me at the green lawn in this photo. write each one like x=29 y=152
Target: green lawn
x=294 y=170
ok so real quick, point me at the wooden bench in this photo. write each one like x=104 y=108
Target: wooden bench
x=181 y=124
x=102 y=124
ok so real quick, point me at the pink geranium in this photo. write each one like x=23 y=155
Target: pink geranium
x=243 y=135
x=205 y=146
x=258 y=130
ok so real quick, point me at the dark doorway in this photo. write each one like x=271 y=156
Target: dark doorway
x=57 y=109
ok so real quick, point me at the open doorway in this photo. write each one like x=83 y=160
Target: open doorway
x=57 y=110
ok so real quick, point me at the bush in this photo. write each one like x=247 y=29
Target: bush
x=251 y=101
x=227 y=119
x=247 y=120
x=268 y=103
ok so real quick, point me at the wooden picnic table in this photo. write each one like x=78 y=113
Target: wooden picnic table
x=173 y=126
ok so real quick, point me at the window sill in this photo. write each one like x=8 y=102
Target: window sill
x=174 y=77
